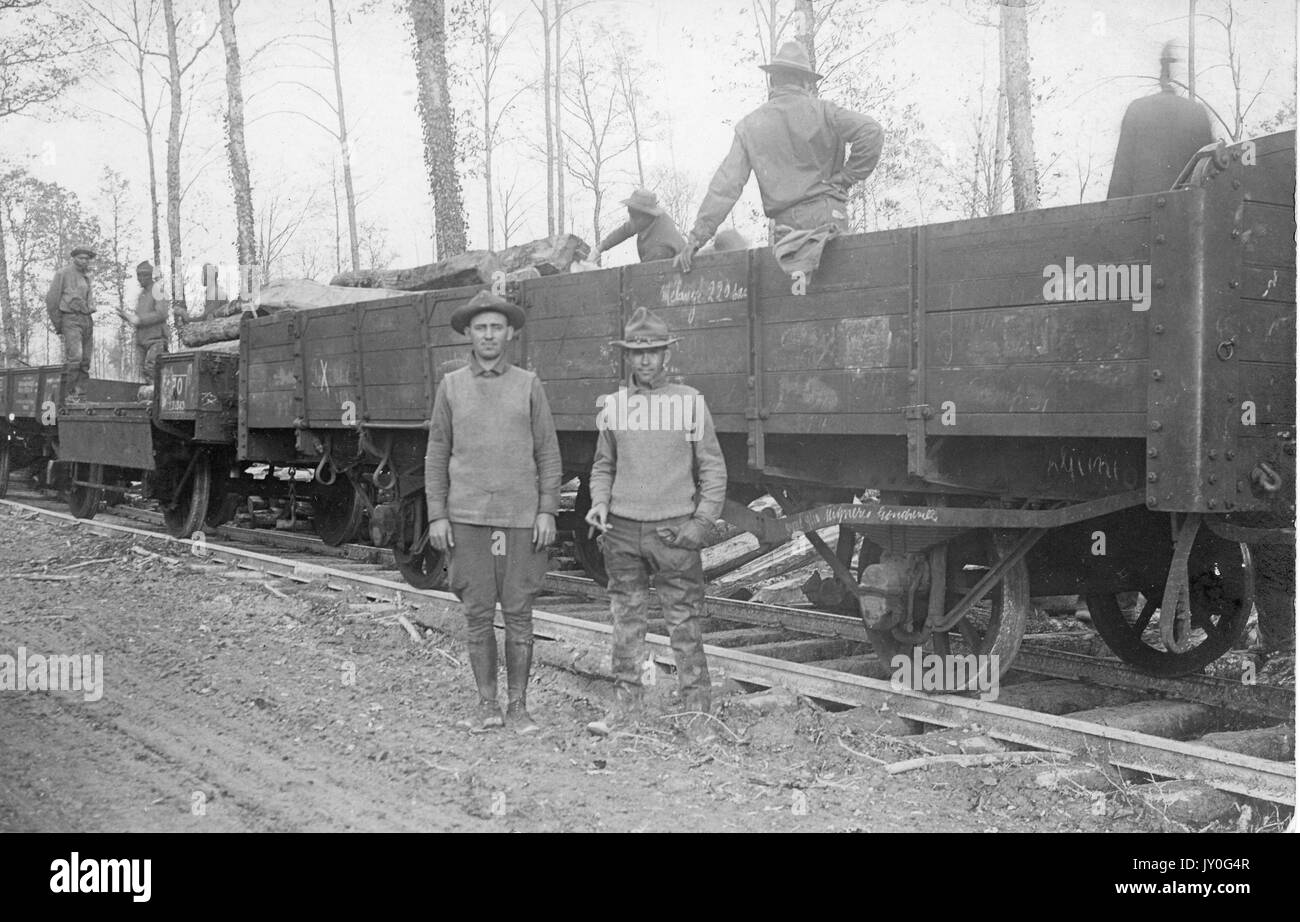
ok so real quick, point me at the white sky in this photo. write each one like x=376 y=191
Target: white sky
x=700 y=86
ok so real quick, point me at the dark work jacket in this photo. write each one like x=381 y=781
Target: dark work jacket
x=1160 y=133
x=660 y=240
x=794 y=144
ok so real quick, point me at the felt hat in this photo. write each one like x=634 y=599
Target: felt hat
x=144 y=267
x=83 y=251
x=644 y=200
x=792 y=56
x=645 y=330
x=486 y=301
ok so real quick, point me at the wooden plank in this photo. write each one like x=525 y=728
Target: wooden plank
x=846 y=343
x=852 y=391
x=1266 y=329
x=741 y=637
x=869 y=300
x=574 y=358
x=1073 y=332
x=272 y=376
x=807 y=650
x=1268 y=235
x=1120 y=387
x=601 y=327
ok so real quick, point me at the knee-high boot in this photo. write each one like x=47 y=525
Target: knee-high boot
x=519 y=661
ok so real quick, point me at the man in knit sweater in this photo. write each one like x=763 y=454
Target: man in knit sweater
x=657 y=486
x=492 y=483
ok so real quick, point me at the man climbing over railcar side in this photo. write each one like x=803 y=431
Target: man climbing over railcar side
x=794 y=145
x=657 y=236
x=1159 y=134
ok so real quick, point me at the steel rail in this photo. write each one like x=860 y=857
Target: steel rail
x=1228 y=771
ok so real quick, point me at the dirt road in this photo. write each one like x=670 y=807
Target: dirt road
x=228 y=707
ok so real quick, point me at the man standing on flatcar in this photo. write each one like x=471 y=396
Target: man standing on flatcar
x=794 y=145
x=657 y=237
x=71 y=307
x=150 y=322
x=656 y=490
x=492 y=482
x=1160 y=133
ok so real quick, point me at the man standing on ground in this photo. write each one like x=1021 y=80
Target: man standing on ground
x=794 y=145
x=1159 y=134
x=150 y=322
x=492 y=482
x=657 y=237
x=656 y=491
x=70 y=307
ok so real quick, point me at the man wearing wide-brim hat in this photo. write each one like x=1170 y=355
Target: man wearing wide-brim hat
x=492 y=486
x=657 y=237
x=70 y=306
x=657 y=487
x=794 y=145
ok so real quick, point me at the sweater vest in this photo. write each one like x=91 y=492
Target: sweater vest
x=492 y=469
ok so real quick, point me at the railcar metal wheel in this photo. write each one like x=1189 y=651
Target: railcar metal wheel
x=4 y=466
x=419 y=563
x=185 y=511
x=337 y=511
x=1221 y=589
x=83 y=501
x=994 y=627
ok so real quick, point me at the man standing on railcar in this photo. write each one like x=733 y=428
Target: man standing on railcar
x=492 y=482
x=150 y=322
x=794 y=145
x=657 y=237
x=1160 y=133
x=657 y=487
x=70 y=306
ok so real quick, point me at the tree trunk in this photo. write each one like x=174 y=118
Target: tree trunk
x=7 y=325
x=245 y=239
x=1020 y=116
x=551 y=229
x=354 y=246
x=153 y=169
x=177 y=274
x=559 y=108
x=429 y=27
x=487 y=124
x=808 y=37
x=1000 y=131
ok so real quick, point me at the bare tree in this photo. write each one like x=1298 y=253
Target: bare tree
x=428 y=24
x=543 y=8
x=491 y=46
x=345 y=153
x=40 y=49
x=176 y=71
x=604 y=131
x=245 y=241
x=631 y=75
x=128 y=28
x=1235 y=125
x=278 y=228
x=512 y=211
x=1020 y=115
x=676 y=194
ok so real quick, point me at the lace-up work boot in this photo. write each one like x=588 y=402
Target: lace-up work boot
x=626 y=711
x=483 y=662
x=519 y=662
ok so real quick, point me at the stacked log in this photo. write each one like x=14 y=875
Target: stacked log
x=548 y=256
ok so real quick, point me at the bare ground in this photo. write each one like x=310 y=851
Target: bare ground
x=227 y=707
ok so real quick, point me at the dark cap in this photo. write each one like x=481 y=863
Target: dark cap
x=83 y=251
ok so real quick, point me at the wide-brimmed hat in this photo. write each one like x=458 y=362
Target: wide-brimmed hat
x=644 y=200
x=645 y=331
x=792 y=56
x=83 y=251
x=486 y=301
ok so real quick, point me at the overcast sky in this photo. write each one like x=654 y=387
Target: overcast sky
x=1092 y=53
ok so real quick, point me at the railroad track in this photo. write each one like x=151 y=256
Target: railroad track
x=819 y=655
